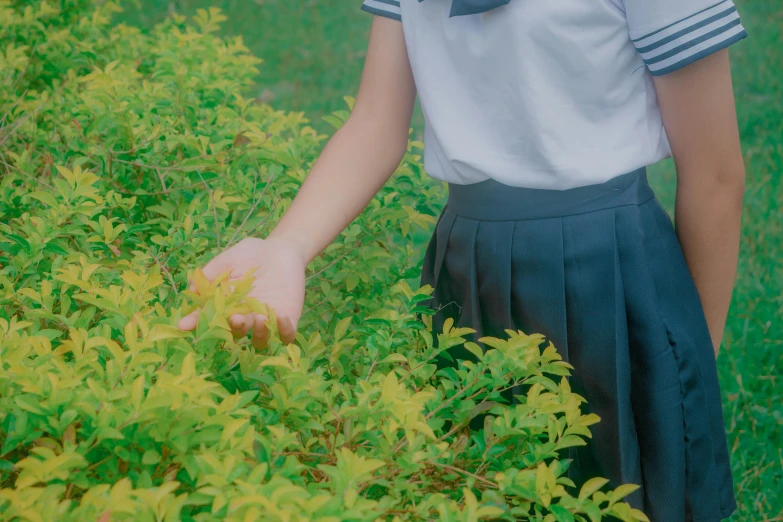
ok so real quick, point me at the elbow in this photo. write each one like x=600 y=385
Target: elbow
x=731 y=183
x=720 y=185
x=726 y=187
x=732 y=177
x=726 y=178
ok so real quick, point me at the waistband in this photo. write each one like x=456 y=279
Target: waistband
x=490 y=200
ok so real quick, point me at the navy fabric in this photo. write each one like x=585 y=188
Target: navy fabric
x=600 y=272
x=468 y=7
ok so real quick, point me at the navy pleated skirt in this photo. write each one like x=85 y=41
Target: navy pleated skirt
x=598 y=270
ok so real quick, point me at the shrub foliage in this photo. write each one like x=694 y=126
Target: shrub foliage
x=128 y=157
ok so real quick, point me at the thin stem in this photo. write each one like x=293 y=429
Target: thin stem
x=151 y=167
x=454 y=397
x=159 y=192
x=21 y=121
x=214 y=209
x=252 y=209
x=356 y=245
x=161 y=265
x=464 y=472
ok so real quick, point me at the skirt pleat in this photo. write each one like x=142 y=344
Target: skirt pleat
x=598 y=346
x=606 y=282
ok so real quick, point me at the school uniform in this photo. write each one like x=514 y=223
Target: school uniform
x=542 y=117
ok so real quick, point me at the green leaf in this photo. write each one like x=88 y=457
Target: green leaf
x=389 y=390
x=43 y=197
x=334 y=121
x=137 y=392
x=52 y=246
x=622 y=491
x=592 y=510
x=160 y=332
x=50 y=333
x=110 y=433
x=481 y=408
x=19 y=240
x=394 y=357
x=568 y=441
x=591 y=486
x=475 y=349
x=377 y=321
x=561 y=514
x=29 y=403
x=150 y=457
x=194 y=164
x=342 y=327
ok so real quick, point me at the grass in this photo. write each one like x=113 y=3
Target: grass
x=314 y=51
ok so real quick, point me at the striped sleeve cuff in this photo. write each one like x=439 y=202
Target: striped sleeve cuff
x=683 y=42
x=387 y=8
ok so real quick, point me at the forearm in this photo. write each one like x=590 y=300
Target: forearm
x=707 y=221
x=356 y=162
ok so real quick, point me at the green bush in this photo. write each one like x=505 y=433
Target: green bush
x=128 y=157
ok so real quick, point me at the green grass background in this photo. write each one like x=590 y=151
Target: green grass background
x=313 y=52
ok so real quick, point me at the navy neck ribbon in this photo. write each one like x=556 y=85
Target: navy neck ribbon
x=468 y=7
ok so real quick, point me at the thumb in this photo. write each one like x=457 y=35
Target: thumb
x=189 y=322
x=218 y=265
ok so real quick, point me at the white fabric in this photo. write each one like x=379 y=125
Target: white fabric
x=550 y=93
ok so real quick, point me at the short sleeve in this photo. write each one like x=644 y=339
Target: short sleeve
x=388 y=8
x=670 y=34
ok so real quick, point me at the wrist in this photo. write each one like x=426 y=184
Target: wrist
x=298 y=246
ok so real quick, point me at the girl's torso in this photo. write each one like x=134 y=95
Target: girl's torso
x=550 y=94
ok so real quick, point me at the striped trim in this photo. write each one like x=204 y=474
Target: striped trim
x=388 y=8
x=682 y=43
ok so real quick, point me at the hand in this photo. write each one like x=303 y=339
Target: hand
x=279 y=283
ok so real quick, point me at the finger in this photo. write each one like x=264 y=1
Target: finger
x=189 y=322
x=240 y=324
x=260 y=332
x=286 y=329
x=105 y=517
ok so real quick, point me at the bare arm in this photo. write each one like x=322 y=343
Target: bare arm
x=363 y=154
x=353 y=166
x=697 y=104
